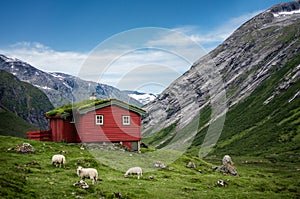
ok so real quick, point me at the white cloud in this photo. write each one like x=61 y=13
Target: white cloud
x=127 y=65
x=211 y=38
x=44 y=58
x=137 y=68
x=154 y=57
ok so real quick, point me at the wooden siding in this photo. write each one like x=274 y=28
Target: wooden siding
x=63 y=130
x=41 y=135
x=112 y=130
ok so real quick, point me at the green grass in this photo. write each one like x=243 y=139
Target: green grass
x=162 y=137
x=259 y=177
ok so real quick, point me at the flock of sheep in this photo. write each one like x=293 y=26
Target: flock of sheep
x=60 y=160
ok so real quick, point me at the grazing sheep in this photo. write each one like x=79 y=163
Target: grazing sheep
x=58 y=159
x=134 y=170
x=87 y=173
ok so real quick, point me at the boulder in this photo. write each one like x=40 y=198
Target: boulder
x=81 y=184
x=227 y=166
x=24 y=148
x=159 y=164
x=190 y=165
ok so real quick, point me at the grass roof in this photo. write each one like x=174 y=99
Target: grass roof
x=67 y=110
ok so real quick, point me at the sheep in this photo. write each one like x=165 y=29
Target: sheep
x=134 y=170
x=87 y=172
x=58 y=159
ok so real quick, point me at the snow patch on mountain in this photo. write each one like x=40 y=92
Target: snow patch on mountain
x=143 y=98
x=286 y=13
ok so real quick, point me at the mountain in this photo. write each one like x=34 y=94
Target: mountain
x=249 y=83
x=143 y=98
x=23 y=100
x=13 y=125
x=59 y=87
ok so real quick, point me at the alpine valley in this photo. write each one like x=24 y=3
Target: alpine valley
x=241 y=99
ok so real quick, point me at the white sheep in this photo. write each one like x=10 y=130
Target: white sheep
x=87 y=173
x=58 y=159
x=134 y=170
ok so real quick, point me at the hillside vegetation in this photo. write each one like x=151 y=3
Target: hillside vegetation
x=33 y=176
x=13 y=125
x=257 y=128
x=264 y=124
x=23 y=99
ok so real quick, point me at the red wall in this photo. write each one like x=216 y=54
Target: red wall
x=112 y=130
x=63 y=130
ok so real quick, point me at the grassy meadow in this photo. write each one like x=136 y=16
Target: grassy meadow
x=33 y=176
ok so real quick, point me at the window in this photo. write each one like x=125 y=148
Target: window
x=99 y=120
x=126 y=120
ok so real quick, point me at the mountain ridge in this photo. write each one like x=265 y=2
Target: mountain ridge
x=251 y=55
x=59 y=87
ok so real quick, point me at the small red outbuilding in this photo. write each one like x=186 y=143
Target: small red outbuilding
x=95 y=121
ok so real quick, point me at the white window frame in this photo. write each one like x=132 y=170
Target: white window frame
x=126 y=120
x=99 y=120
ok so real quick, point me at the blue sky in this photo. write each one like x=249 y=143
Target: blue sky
x=59 y=35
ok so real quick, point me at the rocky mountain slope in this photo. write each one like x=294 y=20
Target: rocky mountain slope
x=24 y=100
x=228 y=75
x=59 y=87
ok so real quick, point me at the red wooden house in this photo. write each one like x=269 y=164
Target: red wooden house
x=96 y=121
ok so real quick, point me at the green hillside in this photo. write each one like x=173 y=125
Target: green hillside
x=13 y=125
x=33 y=176
x=23 y=99
x=257 y=129
x=253 y=127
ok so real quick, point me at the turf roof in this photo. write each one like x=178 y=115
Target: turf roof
x=90 y=105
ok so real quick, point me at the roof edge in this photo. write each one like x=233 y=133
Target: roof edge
x=113 y=102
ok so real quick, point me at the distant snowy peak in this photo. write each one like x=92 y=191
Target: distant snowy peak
x=7 y=59
x=143 y=98
x=284 y=9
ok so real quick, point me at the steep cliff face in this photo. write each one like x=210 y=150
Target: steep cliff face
x=24 y=100
x=59 y=87
x=232 y=71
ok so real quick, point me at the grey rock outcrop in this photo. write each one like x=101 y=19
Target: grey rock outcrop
x=24 y=148
x=227 y=167
x=232 y=71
